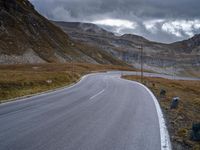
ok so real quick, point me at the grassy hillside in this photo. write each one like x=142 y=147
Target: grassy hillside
x=20 y=80
x=24 y=28
x=28 y=37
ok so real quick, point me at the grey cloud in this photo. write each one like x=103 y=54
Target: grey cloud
x=137 y=11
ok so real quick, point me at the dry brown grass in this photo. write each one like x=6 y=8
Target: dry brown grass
x=191 y=72
x=179 y=120
x=20 y=80
x=78 y=67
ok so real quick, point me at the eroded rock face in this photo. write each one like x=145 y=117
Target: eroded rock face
x=22 y=28
x=164 y=58
x=29 y=57
x=188 y=45
x=16 y=6
x=194 y=41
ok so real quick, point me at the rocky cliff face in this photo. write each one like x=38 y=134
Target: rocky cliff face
x=165 y=58
x=188 y=45
x=23 y=30
x=28 y=37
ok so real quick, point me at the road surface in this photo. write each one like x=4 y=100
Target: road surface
x=101 y=112
x=147 y=74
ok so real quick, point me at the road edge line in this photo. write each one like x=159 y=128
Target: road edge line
x=164 y=134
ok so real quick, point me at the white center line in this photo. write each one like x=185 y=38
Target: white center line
x=97 y=94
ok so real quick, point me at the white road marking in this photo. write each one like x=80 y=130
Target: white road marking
x=164 y=135
x=165 y=140
x=97 y=94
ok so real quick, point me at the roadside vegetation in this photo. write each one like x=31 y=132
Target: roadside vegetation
x=179 y=120
x=21 y=80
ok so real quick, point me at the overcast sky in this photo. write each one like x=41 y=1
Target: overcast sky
x=159 y=20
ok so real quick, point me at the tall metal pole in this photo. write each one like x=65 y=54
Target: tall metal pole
x=174 y=71
x=72 y=67
x=141 y=63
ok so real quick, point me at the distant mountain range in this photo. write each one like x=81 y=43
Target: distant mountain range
x=179 y=57
x=28 y=37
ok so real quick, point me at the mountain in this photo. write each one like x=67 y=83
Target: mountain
x=28 y=37
x=135 y=38
x=189 y=44
x=172 y=58
x=86 y=28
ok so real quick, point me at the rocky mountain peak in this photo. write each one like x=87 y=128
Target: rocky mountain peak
x=87 y=28
x=194 y=41
x=188 y=44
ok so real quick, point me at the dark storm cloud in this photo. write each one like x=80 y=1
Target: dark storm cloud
x=162 y=20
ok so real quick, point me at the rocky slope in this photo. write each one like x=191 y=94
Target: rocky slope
x=188 y=45
x=164 y=58
x=83 y=28
x=28 y=37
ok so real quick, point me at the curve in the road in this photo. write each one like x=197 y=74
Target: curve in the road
x=102 y=112
x=164 y=135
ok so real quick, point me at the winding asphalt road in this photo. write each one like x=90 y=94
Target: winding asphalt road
x=101 y=112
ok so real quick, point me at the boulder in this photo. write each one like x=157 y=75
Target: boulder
x=195 y=132
x=175 y=102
